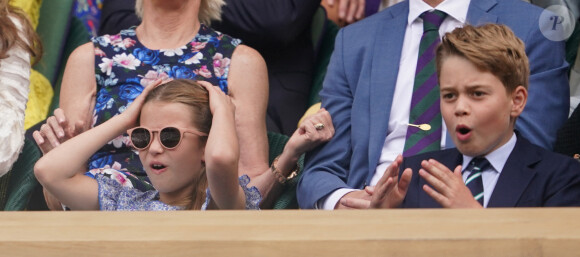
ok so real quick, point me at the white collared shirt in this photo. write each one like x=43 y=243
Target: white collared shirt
x=401 y=105
x=489 y=176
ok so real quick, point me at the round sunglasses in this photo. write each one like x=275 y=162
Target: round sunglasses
x=169 y=137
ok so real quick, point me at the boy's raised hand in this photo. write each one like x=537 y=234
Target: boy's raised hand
x=389 y=192
x=447 y=188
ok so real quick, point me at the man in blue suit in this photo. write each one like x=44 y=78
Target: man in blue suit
x=368 y=89
x=483 y=75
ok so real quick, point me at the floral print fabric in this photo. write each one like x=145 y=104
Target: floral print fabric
x=116 y=193
x=123 y=67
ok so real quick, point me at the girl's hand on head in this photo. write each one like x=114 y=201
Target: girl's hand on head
x=314 y=130
x=134 y=109
x=218 y=100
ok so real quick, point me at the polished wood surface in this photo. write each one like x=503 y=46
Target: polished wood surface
x=492 y=232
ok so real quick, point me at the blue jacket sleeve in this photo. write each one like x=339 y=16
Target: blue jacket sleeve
x=327 y=166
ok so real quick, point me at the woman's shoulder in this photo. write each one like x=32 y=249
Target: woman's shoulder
x=82 y=57
x=247 y=54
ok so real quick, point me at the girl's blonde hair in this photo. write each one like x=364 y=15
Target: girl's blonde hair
x=10 y=35
x=195 y=96
x=208 y=10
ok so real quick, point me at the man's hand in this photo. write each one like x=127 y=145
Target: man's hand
x=449 y=190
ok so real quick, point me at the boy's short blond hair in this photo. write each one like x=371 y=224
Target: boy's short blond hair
x=493 y=48
x=208 y=10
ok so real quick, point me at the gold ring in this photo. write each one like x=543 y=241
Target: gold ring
x=318 y=126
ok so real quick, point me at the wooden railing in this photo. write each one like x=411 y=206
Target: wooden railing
x=428 y=232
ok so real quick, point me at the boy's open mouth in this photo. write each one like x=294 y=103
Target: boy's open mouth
x=463 y=130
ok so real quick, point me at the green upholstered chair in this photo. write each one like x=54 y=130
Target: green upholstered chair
x=323 y=34
x=53 y=27
x=20 y=181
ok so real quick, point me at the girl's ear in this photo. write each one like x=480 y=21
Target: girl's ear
x=519 y=98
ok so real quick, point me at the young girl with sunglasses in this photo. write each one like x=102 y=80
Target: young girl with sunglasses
x=183 y=158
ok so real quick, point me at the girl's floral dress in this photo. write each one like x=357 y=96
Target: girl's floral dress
x=116 y=193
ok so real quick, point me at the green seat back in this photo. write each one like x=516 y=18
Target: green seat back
x=322 y=59
x=53 y=27
x=22 y=180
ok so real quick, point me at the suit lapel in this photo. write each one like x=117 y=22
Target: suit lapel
x=383 y=77
x=479 y=12
x=516 y=175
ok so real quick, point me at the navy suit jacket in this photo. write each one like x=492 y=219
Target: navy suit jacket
x=360 y=83
x=531 y=177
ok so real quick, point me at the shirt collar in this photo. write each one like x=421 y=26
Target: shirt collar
x=497 y=158
x=456 y=9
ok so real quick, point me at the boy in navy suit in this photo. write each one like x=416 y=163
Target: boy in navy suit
x=483 y=75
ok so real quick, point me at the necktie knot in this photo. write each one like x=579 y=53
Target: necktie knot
x=432 y=20
x=478 y=164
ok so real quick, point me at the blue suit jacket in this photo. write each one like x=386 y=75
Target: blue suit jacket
x=360 y=82
x=531 y=177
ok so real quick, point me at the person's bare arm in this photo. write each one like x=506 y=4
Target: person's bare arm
x=222 y=152
x=79 y=87
x=313 y=131
x=248 y=88
x=57 y=171
x=77 y=100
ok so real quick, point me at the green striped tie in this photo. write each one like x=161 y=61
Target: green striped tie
x=425 y=101
x=474 y=182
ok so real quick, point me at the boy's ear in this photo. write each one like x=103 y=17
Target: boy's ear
x=519 y=98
